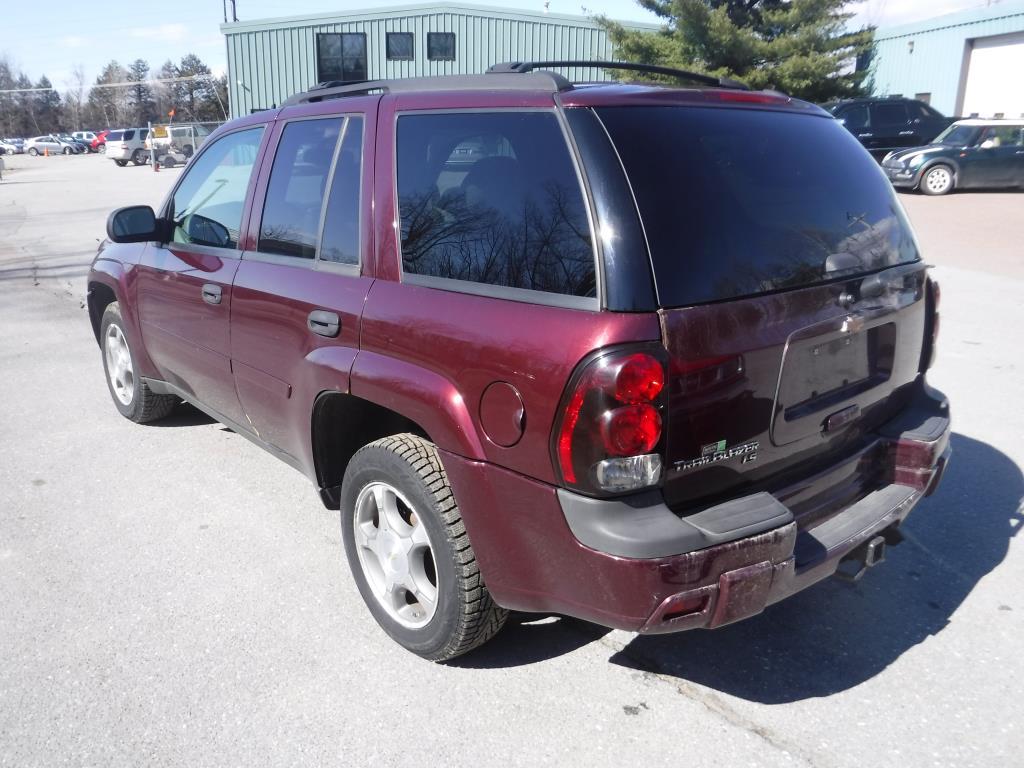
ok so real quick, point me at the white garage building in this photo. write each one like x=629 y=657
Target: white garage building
x=967 y=63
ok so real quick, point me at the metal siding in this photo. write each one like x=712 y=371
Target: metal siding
x=278 y=58
x=940 y=51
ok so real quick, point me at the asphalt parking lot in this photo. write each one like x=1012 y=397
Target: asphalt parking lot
x=172 y=595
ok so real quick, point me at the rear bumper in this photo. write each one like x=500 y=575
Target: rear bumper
x=636 y=565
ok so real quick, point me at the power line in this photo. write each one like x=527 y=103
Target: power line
x=128 y=84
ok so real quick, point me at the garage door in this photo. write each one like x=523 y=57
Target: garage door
x=993 y=83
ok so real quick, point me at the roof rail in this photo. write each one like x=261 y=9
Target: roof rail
x=336 y=89
x=522 y=67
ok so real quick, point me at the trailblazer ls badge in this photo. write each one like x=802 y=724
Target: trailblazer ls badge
x=712 y=453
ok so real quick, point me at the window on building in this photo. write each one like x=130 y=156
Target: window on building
x=441 y=46
x=400 y=46
x=340 y=240
x=925 y=97
x=207 y=205
x=493 y=198
x=295 y=194
x=341 y=56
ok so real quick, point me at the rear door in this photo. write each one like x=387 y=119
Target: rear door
x=790 y=286
x=184 y=286
x=299 y=295
x=890 y=123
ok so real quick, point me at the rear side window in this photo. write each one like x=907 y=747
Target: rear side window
x=115 y=136
x=855 y=117
x=295 y=194
x=340 y=240
x=743 y=202
x=493 y=198
x=888 y=114
x=128 y=135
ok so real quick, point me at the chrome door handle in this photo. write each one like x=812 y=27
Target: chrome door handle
x=324 y=323
x=865 y=135
x=906 y=133
x=211 y=293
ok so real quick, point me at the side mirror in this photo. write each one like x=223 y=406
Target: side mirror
x=134 y=224
x=986 y=144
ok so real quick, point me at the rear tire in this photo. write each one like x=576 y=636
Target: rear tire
x=102 y=149
x=121 y=163
x=938 y=180
x=33 y=151
x=131 y=395
x=409 y=551
x=67 y=151
x=138 y=158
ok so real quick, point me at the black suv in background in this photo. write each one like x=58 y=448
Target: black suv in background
x=886 y=124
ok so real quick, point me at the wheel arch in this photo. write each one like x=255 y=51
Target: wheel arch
x=102 y=290
x=946 y=161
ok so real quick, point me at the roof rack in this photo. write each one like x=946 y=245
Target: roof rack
x=336 y=89
x=522 y=67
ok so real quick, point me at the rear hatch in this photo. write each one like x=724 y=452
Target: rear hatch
x=791 y=289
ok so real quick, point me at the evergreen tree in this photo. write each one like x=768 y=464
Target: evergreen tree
x=163 y=92
x=195 y=91
x=108 y=107
x=48 y=107
x=140 y=97
x=801 y=47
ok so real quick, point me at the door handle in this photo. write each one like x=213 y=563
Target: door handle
x=324 y=323
x=1019 y=152
x=906 y=133
x=211 y=293
x=865 y=135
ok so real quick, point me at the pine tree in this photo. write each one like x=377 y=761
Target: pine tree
x=140 y=97
x=801 y=47
x=48 y=107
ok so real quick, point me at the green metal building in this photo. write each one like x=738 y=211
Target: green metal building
x=270 y=59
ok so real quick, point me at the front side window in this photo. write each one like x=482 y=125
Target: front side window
x=339 y=243
x=493 y=198
x=341 y=56
x=207 y=205
x=958 y=135
x=400 y=46
x=441 y=46
x=295 y=193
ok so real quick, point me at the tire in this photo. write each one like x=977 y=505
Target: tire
x=138 y=158
x=938 y=180
x=132 y=397
x=404 y=474
x=67 y=151
x=33 y=151
x=121 y=163
x=102 y=149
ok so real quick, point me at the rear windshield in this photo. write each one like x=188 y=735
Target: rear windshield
x=115 y=136
x=742 y=202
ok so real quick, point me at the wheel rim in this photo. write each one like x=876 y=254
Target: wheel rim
x=938 y=180
x=119 y=365
x=395 y=555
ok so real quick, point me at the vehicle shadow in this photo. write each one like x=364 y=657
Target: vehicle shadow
x=835 y=635
x=183 y=415
x=530 y=638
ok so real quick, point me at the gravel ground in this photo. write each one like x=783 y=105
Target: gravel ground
x=172 y=595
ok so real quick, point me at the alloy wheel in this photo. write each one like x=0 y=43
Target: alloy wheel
x=396 y=555
x=938 y=180
x=119 y=365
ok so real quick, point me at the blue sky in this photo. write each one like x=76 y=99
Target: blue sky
x=77 y=33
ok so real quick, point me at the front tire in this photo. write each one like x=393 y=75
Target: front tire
x=937 y=180
x=131 y=395
x=409 y=551
x=67 y=150
x=102 y=149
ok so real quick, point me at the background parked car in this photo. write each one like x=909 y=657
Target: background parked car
x=99 y=143
x=128 y=145
x=81 y=144
x=86 y=137
x=887 y=124
x=41 y=144
x=970 y=153
x=7 y=149
x=17 y=144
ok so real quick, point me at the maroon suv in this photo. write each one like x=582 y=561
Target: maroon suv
x=653 y=357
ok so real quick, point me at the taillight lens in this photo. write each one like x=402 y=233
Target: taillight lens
x=609 y=435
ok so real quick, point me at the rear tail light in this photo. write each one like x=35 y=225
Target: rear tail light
x=609 y=435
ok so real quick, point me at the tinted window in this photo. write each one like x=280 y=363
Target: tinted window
x=399 y=46
x=295 y=194
x=855 y=117
x=888 y=114
x=441 y=46
x=207 y=205
x=341 y=57
x=958 y=135
x=493 y=198
x=740 y=202
x=1002 y=135
x=340 y=241
x=128 y=135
